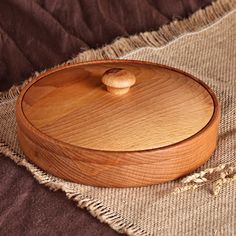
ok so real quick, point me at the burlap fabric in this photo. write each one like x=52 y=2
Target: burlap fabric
x=203 y=203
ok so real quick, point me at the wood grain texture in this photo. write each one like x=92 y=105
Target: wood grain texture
x=163 y=108
x=164 y=127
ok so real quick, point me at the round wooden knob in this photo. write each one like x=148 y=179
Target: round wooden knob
x=118 y=81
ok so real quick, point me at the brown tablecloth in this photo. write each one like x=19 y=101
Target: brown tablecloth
x=35 y=35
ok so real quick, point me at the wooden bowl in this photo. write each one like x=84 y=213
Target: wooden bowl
x=117 y=123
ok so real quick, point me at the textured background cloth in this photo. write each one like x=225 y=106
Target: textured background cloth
x=38 y=34
x=155 y=210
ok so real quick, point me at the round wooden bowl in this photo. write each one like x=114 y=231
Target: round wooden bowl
x=117 y=123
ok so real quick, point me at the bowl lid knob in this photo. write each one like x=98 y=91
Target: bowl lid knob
x=118 y=81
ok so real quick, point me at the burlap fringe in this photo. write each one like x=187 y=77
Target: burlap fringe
x=94 y=206
x=119 y=48
x=164 y=35
x=217 y=177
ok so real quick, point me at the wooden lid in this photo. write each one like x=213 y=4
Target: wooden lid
x=160 y=106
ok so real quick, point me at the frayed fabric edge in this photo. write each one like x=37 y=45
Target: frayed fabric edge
x=94 y=206
x=217 y=177
x=167 y=33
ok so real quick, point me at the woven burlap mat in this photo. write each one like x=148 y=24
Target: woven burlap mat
x=203 y=203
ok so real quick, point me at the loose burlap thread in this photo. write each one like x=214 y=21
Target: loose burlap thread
x=203 y=45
